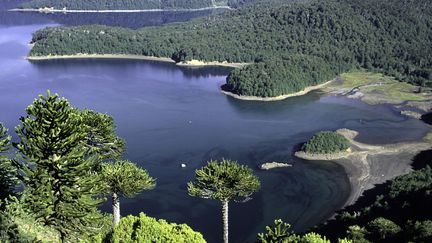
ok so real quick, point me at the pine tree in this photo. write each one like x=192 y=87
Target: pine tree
x=54 y=168
x=224 y=181
x=124 y=178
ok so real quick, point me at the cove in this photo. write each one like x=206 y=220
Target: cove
x=170 y=115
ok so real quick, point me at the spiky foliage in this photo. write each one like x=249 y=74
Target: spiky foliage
x=54 y=168
x=7 y=177
x=224 y=181
x=124 y=178
x=101 y=138
x=281 y=231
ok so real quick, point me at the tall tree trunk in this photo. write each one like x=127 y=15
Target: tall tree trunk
x=116 y=208
x=225 y=220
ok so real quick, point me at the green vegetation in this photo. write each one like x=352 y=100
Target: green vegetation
x=398 y=214
x=7 y=177
x=100 y=138
x=56 y=164
x=224 y=181
x=122 y=4
x=124 y=178
x=64 y=164
x=269 y=79
x=310 y=42
x=386 y=86
x=52 y=158
x=146 y=229
x=139 y=4
x=281 y=232
x=326 y=142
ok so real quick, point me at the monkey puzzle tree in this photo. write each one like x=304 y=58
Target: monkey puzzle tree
x=224 y=181
x=54 y=167
x=100 y=137
x=124 y=178
x=7 y=179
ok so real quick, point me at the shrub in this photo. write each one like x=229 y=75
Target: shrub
x=421 y=231
x=383 y=229
x=326 y=142
x=146 y=229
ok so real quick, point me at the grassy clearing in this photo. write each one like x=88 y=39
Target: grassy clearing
x=389 y=88
x=428 y=137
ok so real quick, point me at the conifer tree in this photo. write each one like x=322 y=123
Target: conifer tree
x=224 y=181
x=54 y=168
x=124 y=178
x=7 y=178
x=100 y=137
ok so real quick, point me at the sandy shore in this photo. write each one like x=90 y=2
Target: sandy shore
x=100 y=56
x=198 y=63
x=281 y=97
x=49 y=10
x=193 y=63
x=368 y=165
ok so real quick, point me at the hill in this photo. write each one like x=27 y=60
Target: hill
x=292 y=46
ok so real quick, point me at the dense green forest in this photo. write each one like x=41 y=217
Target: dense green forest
x=138 y=4
x=326 y=142
x=392 y=36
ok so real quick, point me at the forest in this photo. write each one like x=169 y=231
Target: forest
x=393 y=37
x=139 y=4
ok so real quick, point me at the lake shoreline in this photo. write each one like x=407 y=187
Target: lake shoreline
x=369 y=165
x=193 y=63
x=49 y=10
x=277 y=98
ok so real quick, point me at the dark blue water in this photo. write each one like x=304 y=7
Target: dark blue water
x=170 y=115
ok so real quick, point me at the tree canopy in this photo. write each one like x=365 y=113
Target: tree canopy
x=146 y=229
x=139 y=4
x=54 y=167
x=331 y=37
x=223 y=180
x=7 y=175
x=124 y=178
x=326 y=142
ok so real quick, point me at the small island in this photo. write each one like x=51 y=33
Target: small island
x=325 y=145
x=365 y=164
x=273 y=165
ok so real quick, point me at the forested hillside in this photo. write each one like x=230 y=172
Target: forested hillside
x=138 y=4
x=293 y=45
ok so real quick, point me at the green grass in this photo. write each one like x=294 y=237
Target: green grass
x=391 y=88
x=358 y=78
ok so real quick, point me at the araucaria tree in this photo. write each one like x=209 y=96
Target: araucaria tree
x=224 y=181
x=55 y=168
x=7 y=179
x=100 y=137
x=124 y=178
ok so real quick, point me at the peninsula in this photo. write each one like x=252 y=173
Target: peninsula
x=315 y=41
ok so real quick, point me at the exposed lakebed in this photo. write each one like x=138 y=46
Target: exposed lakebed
x=170 y=115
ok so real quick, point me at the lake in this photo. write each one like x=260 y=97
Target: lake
x=170 y=115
